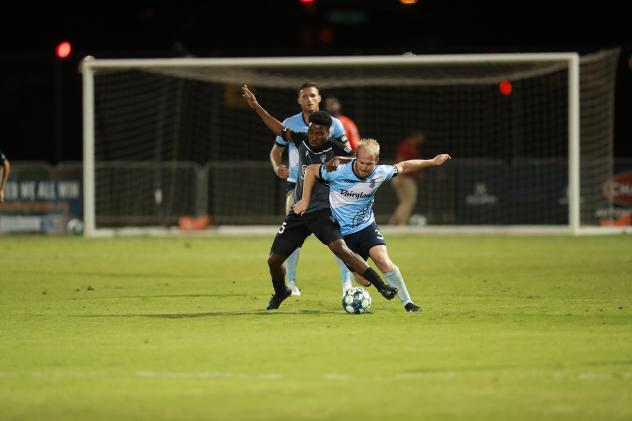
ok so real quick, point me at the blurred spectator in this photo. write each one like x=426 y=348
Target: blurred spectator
x=333 y=107
x=405 y=185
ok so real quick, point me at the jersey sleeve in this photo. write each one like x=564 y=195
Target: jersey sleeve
x=337 y=129
x=279 y=140
x=291 y=136
x=341 y=146
x=388 y=171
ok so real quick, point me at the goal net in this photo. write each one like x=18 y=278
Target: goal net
x=530 y=136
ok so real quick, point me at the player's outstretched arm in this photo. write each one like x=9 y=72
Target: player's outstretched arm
x=308 y=184
x=273 y=124
x=413 y=165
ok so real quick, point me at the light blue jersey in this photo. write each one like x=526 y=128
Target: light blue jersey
x=296 y=123
x=351 y=197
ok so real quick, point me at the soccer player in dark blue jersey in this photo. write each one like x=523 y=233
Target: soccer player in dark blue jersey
x=308 y=99
x=6 y=169
x=352 y=189
x=313 y=147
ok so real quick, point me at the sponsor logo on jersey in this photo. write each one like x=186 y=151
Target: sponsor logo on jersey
x=355 y=195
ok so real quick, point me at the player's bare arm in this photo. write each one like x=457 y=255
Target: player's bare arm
x=276 y=159
x=273 y=124
x=311 y=174
x=413 y=165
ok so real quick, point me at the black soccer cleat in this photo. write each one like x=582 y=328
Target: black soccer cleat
x=389 y=292
x=412 y=307
x=277 y=299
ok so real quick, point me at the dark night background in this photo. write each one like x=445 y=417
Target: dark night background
x=41 y=107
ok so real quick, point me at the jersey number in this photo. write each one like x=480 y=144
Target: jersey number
x=282 y=228
x=379 y=235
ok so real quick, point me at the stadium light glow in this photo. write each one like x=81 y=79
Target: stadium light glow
x=307 y=2
x=407 y=2
x=63 y=50
x=505 y=87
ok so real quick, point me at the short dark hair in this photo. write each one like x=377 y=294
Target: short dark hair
x=321 y=118
x=308 y=84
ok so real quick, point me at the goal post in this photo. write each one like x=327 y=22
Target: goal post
x=165 y=138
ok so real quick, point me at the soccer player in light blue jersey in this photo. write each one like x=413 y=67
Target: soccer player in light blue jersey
x=309 y=99
x=352 y=188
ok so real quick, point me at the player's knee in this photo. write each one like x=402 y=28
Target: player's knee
x=274 y=260
x=384 y=263
x=340 y=249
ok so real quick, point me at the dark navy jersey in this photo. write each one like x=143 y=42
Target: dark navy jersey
x=2 y=157
x=306 y=157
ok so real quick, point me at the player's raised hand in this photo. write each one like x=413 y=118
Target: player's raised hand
x=441 y=158
x=332 y=164
x=248 y=96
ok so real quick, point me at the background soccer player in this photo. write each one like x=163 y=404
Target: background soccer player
x=6 y=168
x=314 y=147
x=352 y=192
x=334 y=107
x=309 y=99
x=406 y=185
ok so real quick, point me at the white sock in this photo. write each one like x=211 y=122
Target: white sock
x=345 y=275
x=291 y=263
x=395 y=279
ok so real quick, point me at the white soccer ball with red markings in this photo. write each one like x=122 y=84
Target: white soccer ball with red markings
x=356 y=300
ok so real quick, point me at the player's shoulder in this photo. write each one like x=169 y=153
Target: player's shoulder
x=294 y=121
x=336 y=122
x=342 y=169
x=385 y=168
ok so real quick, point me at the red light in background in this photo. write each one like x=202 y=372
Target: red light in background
x=505 y=87
x=307 y=2
x=63 y=50
x=326 y=35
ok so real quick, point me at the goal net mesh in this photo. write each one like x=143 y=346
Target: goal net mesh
x=176 y=141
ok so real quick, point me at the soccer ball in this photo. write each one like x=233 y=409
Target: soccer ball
x=356 y=300
x=418 y=219
x=75 y=226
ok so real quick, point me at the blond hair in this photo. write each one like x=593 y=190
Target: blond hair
x=370 y=145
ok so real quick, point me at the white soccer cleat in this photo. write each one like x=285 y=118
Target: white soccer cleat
x=295 y=291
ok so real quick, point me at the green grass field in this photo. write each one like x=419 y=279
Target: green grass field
x=513 y=328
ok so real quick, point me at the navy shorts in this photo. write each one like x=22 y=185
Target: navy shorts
x=295 y=229
x=361 y=242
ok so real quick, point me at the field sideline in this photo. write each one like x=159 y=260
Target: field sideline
x=518 y=328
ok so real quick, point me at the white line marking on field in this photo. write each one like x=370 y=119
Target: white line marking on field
x=208 y=375
x=336 y=376
x=445 y=375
